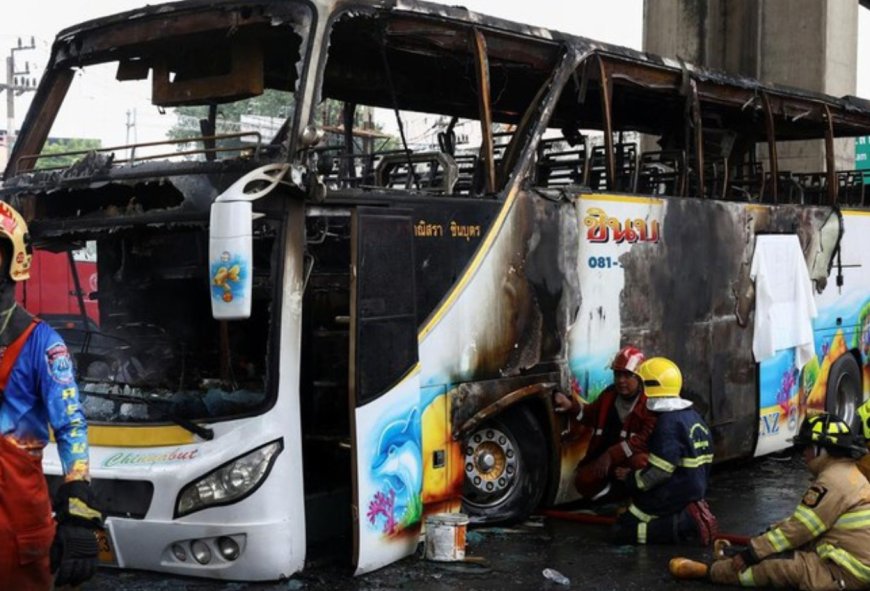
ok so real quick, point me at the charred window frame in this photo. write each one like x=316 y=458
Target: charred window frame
x=456 y=51
x=127 y=37
x=707 y=122
x=185 y=401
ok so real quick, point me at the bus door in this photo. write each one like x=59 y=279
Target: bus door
x=385 y=389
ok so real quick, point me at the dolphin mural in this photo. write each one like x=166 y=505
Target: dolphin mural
x=398 y=467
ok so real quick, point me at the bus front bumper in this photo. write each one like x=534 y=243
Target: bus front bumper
x=242 y=552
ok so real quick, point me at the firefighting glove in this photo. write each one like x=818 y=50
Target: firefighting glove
x=617 y=453
x=601 y=466
x=75 y=548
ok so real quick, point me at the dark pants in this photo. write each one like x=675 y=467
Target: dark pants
x=694 y=524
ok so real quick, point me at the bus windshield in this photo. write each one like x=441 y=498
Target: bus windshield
x=201 y=91
x=146 y=348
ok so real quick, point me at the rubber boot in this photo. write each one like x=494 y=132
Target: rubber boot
x=686 y=568
x=705 y=521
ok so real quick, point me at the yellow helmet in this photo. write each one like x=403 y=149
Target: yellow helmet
x=14 y=229
x=661 y=378
x=864 y=413
x=832 y=433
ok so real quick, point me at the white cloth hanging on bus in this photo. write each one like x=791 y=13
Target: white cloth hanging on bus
x=784 y=305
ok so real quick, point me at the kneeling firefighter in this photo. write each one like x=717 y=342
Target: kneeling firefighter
x=620 y=426
x=864 y=415
x=667 y=496
x=825 y=544
x=37 y=388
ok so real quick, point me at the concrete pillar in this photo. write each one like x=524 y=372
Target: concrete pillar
x=810 y=44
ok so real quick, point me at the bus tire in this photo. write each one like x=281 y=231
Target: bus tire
x=505 y=465
x=845 y=390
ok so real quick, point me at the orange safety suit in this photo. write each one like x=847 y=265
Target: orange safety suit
x=26 y=525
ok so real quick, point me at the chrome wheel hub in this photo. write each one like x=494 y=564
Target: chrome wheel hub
x=490 y=461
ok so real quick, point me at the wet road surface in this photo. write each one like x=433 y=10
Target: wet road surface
x=746 y=498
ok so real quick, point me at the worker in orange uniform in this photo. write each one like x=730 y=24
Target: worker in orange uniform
x=38 y=389
x=620 y=426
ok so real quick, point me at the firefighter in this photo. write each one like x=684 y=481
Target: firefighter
x=620 y=424
x=668 y=504
x=37 y=388
x=864 y=414
x=825 y=544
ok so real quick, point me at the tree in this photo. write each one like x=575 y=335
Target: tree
x=275 y=104
x=61 y=146
x=272 y=103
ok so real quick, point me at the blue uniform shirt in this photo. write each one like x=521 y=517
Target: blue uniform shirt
x=682 y=446
x=42 y=390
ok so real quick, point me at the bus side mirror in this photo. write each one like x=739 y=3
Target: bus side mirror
x=230 y=252
x=230 y=242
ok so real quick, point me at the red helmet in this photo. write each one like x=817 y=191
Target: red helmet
x=629 y=358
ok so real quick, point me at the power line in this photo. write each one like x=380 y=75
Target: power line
x=17 y=83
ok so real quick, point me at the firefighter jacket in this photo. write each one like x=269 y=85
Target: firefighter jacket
x=41 y=390
x=680 y=459
x=864 y=464
x=833 y=518
x=621 y=441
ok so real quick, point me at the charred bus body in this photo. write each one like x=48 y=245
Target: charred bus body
x=416 y=293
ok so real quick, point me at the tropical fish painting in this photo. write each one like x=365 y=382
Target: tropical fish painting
x=227 y=277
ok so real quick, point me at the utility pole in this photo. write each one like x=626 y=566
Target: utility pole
x=15 y=87
x=131 y=124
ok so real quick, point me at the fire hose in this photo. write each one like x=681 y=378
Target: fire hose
x=593 y=519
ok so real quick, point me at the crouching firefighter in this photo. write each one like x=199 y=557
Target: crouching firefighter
x=667 y=496
x=825 y=544
x=864 y=415
x=620 y=426
x=37 y=388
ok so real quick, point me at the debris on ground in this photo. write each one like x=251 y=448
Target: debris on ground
x=555 y=576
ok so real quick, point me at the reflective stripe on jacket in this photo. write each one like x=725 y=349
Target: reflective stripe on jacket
x=833 y=518
x=681 y=447
x=636 y=428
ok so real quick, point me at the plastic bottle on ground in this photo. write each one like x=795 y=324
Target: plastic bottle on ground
x=556 y=576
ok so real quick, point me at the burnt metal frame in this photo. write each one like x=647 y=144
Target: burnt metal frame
x=610 y=67
x=706 y=89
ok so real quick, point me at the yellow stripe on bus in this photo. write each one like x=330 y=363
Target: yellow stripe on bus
x=854 y=212
x=620 y=198
x=144 y=436
x=490 y=237
x=472 y=267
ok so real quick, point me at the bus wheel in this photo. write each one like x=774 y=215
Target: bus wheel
x=505 y=468
x=845 y=390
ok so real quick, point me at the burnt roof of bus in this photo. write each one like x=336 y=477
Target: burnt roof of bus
x=649 y=91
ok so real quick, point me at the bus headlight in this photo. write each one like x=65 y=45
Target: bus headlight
x=229 y=483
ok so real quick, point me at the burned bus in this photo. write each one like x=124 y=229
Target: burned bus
x=356 y=247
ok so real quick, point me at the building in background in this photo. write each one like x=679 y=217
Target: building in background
x=808 y=44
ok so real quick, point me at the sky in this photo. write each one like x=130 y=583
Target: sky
x=590 y=18
x=584 y=17
x=613 y=21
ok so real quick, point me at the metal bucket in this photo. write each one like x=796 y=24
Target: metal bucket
x=445 y=537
